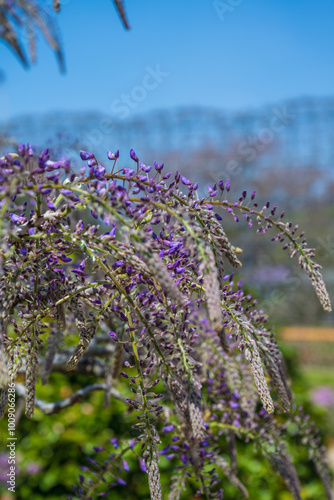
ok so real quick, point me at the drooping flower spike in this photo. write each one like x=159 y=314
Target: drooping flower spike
x=139 y=270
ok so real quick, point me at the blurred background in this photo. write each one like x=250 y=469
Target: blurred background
x=236 y=89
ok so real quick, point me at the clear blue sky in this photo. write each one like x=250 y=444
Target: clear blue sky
x=261 y=52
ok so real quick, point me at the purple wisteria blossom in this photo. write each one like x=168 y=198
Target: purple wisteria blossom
x=113 y=156
x=128 y=276
x=86 y=156
x=133 y=156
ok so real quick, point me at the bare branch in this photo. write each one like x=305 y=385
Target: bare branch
x=50 y=408
x=119 y=4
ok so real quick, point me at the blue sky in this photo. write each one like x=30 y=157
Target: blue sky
x=257 y=52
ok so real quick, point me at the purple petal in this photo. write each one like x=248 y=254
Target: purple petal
x=113 y=336
x=185 y=181
x=168 y=428
x=233 y=404
x=51 y=206
x=145 y=168
x=158 y=167
x=86 y=156
x=63 y=258
x=142 y=465
x=133 y=156
x=16 y=218
x=114 y=441
x=125 y=465
x=100 y=171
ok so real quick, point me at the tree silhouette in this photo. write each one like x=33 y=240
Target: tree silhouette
x=22 y=20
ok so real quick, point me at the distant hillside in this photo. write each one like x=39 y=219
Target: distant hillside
x=286 y=148
x=293 y=132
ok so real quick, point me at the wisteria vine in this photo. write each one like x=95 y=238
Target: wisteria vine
x=134 y=256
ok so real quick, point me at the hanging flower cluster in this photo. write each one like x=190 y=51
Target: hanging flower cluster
x=134 y=256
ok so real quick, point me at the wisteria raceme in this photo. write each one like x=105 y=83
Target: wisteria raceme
x=31 y=374
x=3 y=367
x=232 y=452
x=54 y=293
x=221 y=242
x=232 y=367
x=247 y=390
x=281 y=463
x=309 y=435
x=77 y=355
x=156 y=266
x=222 y=337
x=14 y=365
x=154 y=477
x=209 y=272
x=313 y=271
x=60 y=316
x=178 y=483
x=323 y=472
x=3 y=402
x=134 y=269
x=275 y=367
x=8 y=301
x=276 y=377
x=195 y=411
x=254 y=358
x=54 y=340
x=86 y=333
x=222 y=463
x=117 y=361
x=180 y=397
